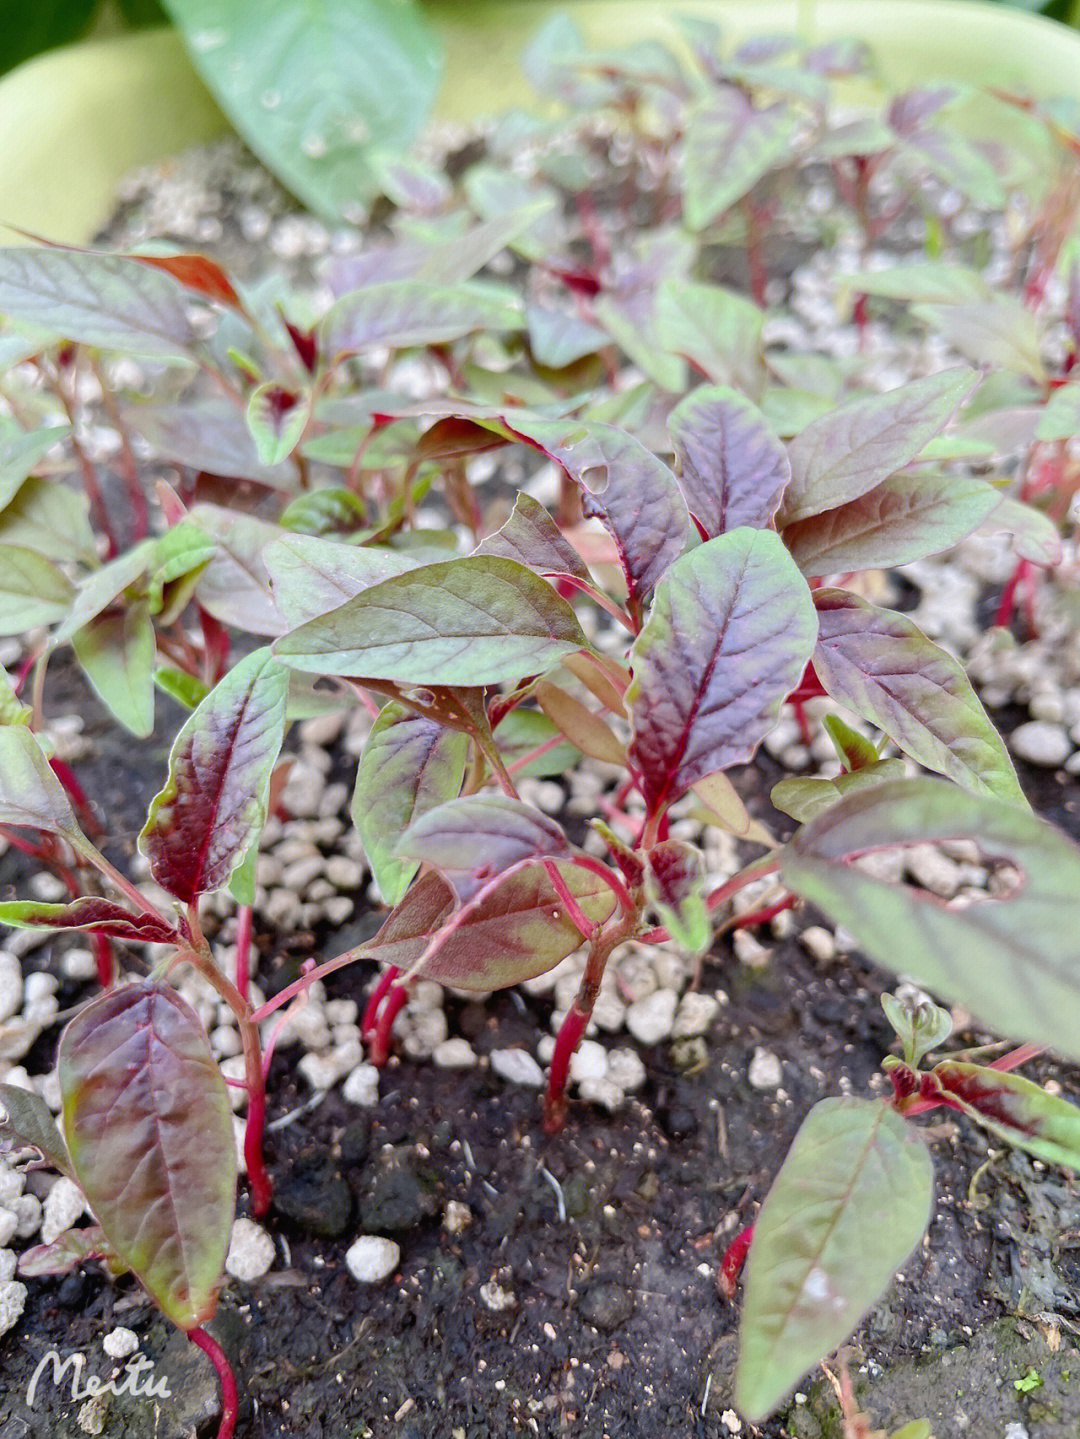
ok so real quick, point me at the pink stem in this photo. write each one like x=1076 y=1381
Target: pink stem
x=371 y=1011
x=106 y=961
x=567 y=1040
x=66 y=775
x=230 y=1401
x=243 y=949
x=733 y=1261
x=762 y=916
x=259 y=1182
x=1016 y=1057
x=581 y=920
x=396 y=1001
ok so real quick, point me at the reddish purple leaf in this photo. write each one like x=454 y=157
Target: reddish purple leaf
x=472 y=839
x=101 y=916
x=72 y=1248
x=732 y=467
x=1012 y=1108
x=150 y=1132
x=532 y=537
x=729 y=635
x=213 y=805
x=516 y=932
x=632 y=493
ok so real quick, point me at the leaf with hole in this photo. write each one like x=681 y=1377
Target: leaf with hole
x=695 y=703
x=632 y=493
x=471 y=621
x=851 y=449
x=213 y=804
x=516 y=932
x=150 y=1133
x=731 y=465
x=880 y=665
x=820 y=1256
x=410 y=764
x=1026 y=984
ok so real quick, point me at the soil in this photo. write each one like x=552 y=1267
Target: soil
x=581 y=1297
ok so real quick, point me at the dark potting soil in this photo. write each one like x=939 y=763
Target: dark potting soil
x=581 y=1296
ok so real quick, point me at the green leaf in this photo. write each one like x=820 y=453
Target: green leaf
x=521 y=732
x=409 y=765
x=20 y=451
x=582 y=727
x=331 y=509
x=850 y=450
x=277 y=418
x=716 y=330
x=903 y=519
x=1035 y=536
x=186 y=689
x=927 y=280
x=117 y=651
x=730 y=145
x=532 y=537
x=920 y=1025
x=997 y=330
x=1060 y=419
x=33 y=591
x=695 y=704
x=1026 y=983
x=213 y=805
x=312 y=576
x=1012 y=1109
x=49 y=517
x=30 y=794
x=881 y=665
x=150 y=1132
x=401 y=314
x=675 y=887
x=12 y=709
x=104 y=586
x=27 y=1119
x=206 y=434
x=235 y=585
x=110 y=301
x=558 y=338
x=514 y=933
x=471 y=621
x=803 y=797
x=311 y=87
x=821 y=1255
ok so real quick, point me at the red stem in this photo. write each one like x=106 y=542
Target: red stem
x=243 y=949
x=396 y=1001
x=762 y=916
x=106 y=960
x=733 y=1261
x=371 y=1010
x=260 y=1185
x=567 y=1040
x=66 y=775
x=230 y=1401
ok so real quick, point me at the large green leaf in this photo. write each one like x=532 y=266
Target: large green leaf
x=881 y=665
x=409 y=765
x=997 y=330
x=696 y=702
x=470 y=621
x=850 y=1203
x=49 y=517
x=150 y=1132
x=312 y=576
x=804 y=796
x=117 y=651
x=730 y=145
x=33 y=591
x=849 y=450
x=1013 y=959
x=717 y=330
x=404 y=313
x=105 y=300
x=311 y=87
x=515 y=932
x=213 y=804
x=903 y=519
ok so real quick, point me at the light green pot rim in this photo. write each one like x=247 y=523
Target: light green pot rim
x=74 y=122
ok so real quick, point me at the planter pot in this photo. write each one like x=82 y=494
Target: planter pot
x=74 y=121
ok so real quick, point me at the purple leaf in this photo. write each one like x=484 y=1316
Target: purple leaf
x=632 y=493
x=72 y=1248
x=409 y=765
x=28 y=1121
x=903 y=519
x=235 y=585
x=697 y=703
x=880 y=665
x=732 y=467
x=101 y=916
x=213 y=805
x=473 y=839
x=471 y=621
x=518 y=931
x=209 y=435
x=730 y=145
x=532 y=537
x=851 y=449
x=404 y=313
x=150 y=1132
x=1012 y=1109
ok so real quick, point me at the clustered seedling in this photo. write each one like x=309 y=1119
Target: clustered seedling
x=706 y=561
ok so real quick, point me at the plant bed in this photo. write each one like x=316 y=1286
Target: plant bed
x=550 y=1280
